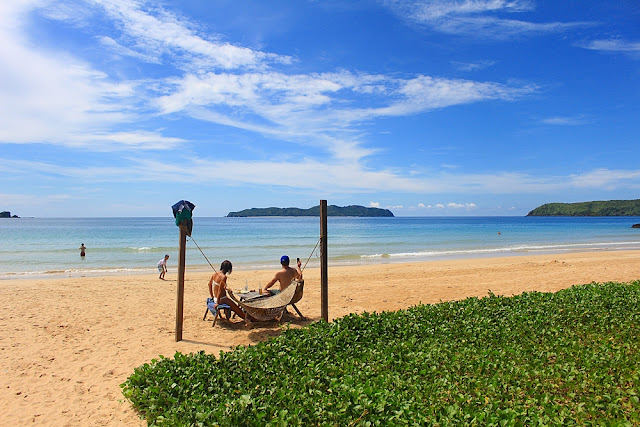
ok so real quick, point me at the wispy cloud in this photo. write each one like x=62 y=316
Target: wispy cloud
x=123 y=141
x=615 y=46
x=56 y=98
x=451 y=205
x=565 y=121
x=118 y=49
x=473 y=66
x=309 y=174
x=430 y=10
x=461 y=205
x=476 y=18
x=606 y=179
x=35 y=201
x=321 y=109
x=51 y=96
x=156 y=33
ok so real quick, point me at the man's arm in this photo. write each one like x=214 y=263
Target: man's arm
x=271 y=283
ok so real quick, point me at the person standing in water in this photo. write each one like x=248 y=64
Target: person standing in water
x=82 y=249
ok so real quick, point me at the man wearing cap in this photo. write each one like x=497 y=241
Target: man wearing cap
x=284 y=276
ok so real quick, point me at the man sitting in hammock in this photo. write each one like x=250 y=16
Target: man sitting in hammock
x=218 y=291
x=285 y=276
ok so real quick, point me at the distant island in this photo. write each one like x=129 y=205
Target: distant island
x=332 y=210
x=599 y=208
x=7 y=214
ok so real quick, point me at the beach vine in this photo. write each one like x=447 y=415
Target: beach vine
x=565 y=358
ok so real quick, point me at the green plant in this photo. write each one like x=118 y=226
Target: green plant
x=538 y=358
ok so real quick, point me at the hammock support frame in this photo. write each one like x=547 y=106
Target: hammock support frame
x=272 y=308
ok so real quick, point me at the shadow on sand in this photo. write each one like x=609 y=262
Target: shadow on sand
x=258 y=331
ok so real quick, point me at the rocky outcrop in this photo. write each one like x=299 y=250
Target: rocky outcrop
x=7 y=214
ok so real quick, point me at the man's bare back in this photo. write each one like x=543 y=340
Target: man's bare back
x=286 y=275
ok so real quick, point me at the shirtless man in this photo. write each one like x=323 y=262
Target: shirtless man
x=284 y=276
x=218 y=291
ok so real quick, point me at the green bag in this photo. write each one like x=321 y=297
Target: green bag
x=183 y=215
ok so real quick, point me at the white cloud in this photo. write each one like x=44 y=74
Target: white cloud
x=424 y=93
x=158 y=31
x=565 y=121
x=374 y=204
x=118 y=49
x=461 y=205
x=53 y=97
x=115 y=141
x=318 y=109
x=451 y=205
x=473 y=66
x=475 y=18
x=431 y=10
x=50 y=96
x=15 y=202
x=61 y=99
x=606 y=179
x=614 y=45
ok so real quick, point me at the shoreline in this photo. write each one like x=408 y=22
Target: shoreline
x=68 y=343
x=49 y=248
x=364 y=260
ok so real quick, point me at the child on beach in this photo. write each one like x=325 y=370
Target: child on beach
x=162 y=266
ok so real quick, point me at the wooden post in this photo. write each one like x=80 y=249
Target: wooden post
x=181 y=265
x=324 y=279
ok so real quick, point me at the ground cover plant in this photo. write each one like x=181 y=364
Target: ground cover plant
x=565 y=358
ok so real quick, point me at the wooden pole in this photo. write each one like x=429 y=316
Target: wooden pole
x=181 y=265
x=324 y=278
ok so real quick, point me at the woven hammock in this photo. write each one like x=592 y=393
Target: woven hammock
x=270 y=308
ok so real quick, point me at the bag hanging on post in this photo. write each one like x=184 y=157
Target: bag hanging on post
x=183 y=213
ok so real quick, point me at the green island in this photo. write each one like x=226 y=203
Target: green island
x=598 y=208
x=564 y=358
x=332 y=210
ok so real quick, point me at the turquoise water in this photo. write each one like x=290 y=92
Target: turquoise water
x=34 y=247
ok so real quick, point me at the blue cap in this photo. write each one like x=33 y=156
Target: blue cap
x=284 y=260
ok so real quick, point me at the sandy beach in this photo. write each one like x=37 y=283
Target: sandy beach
x=66 y=344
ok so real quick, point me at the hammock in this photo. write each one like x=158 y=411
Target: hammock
x=271 y=308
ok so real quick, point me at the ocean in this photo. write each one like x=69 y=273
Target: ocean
x=46 y=247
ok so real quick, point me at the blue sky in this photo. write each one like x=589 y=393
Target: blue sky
x=461 y=107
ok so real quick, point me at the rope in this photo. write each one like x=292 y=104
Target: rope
x=214 y=269
x=314 y=249
x=205 y=257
